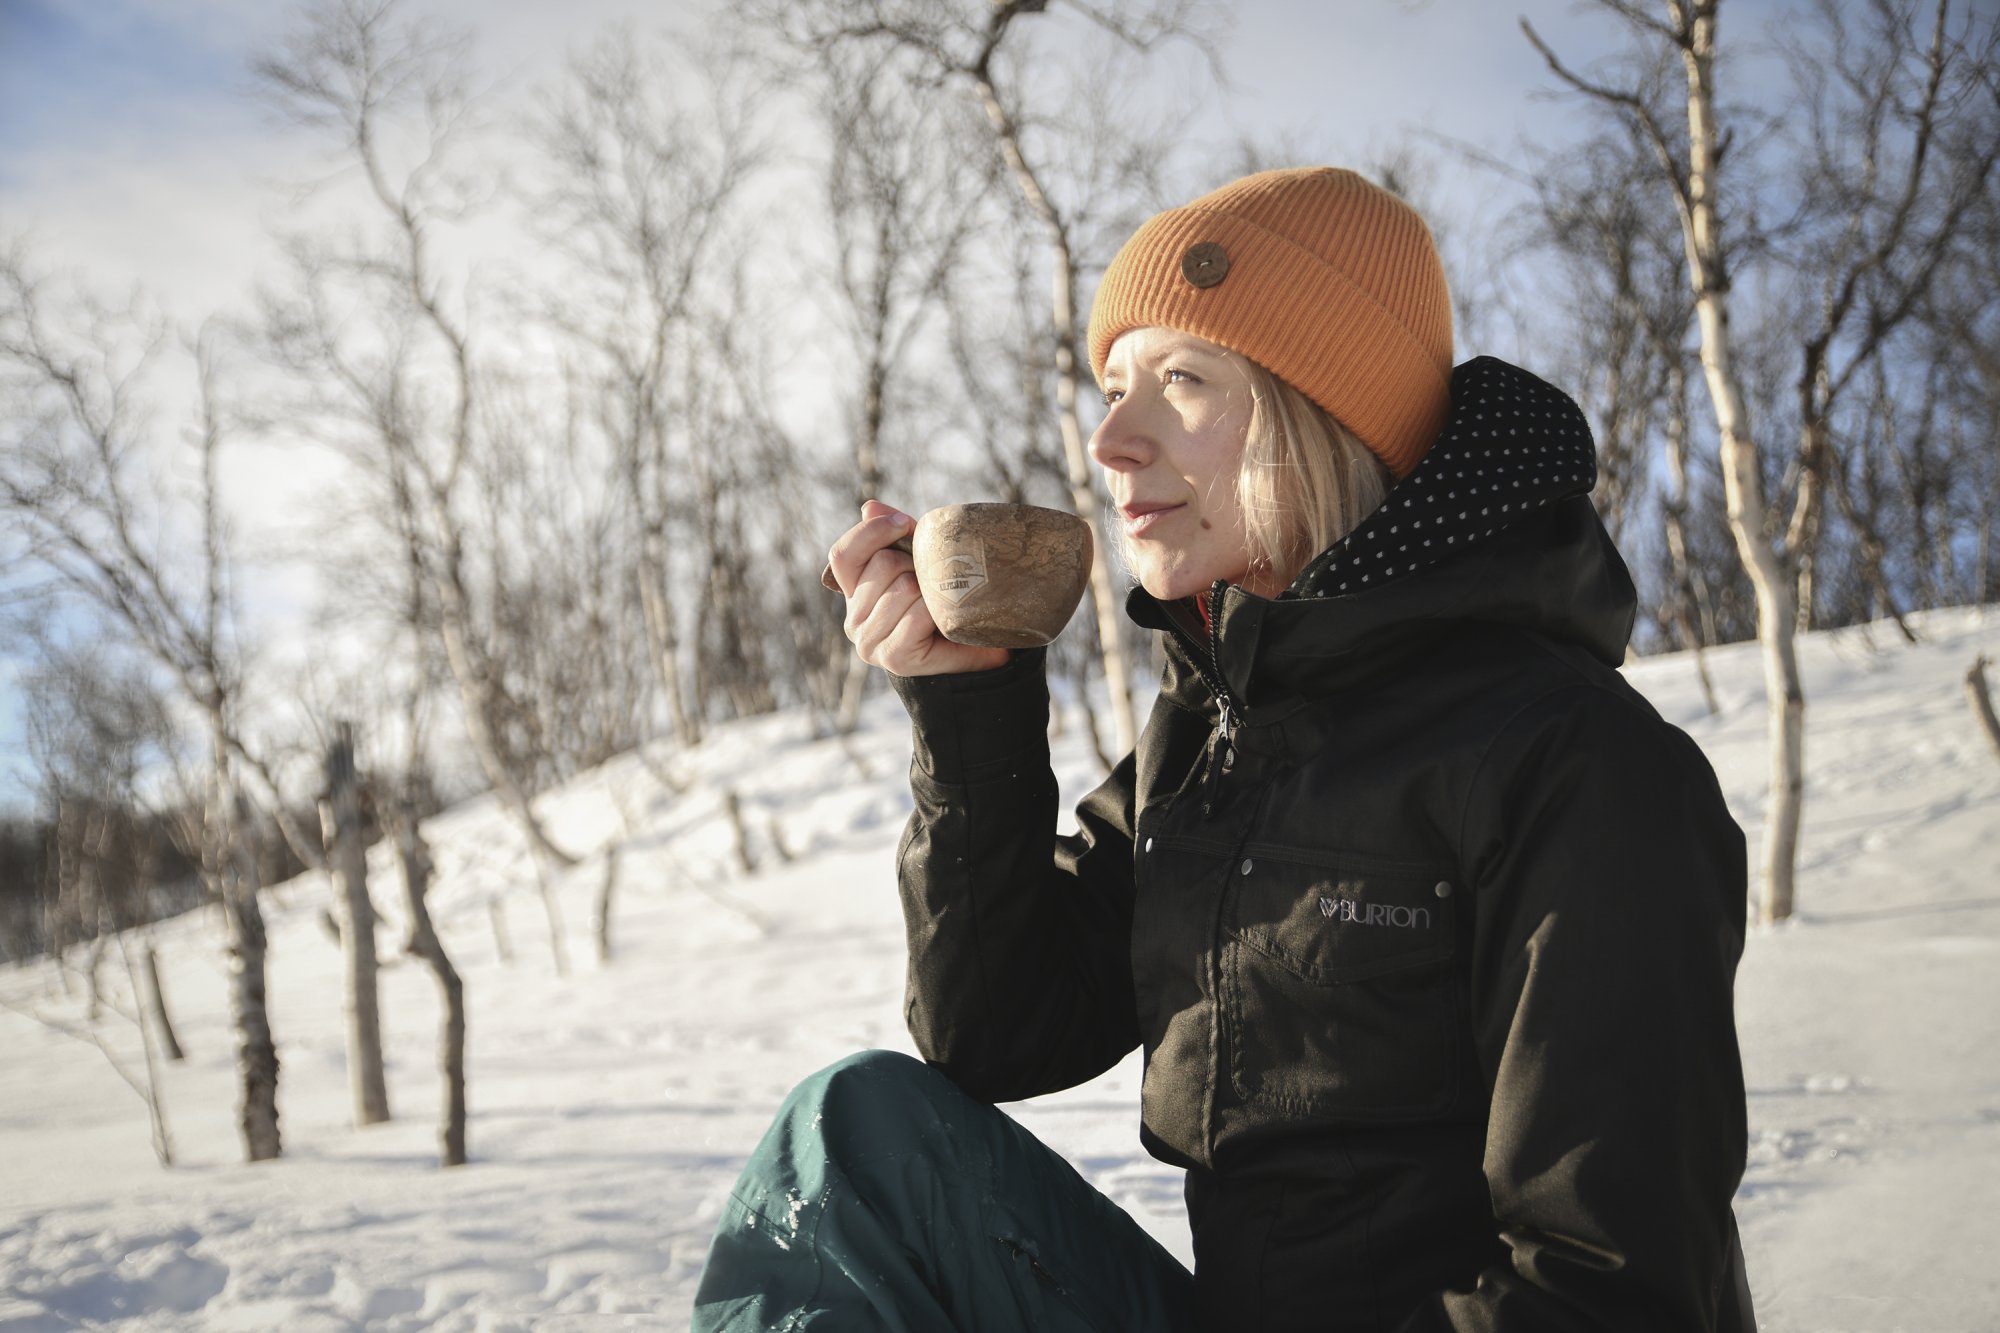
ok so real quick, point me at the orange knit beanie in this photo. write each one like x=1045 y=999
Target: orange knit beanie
x=1327 y=281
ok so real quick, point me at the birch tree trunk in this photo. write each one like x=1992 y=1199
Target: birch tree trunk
x=73 y=483
x=481 y=692
x=607 y=889
x=546 y=876
x=868 y=485
x=347 y=857
x=1891 y=173
x=1083 y=496
x=662 y=642
x=496 y=916
x=156 y=1004
x=1981 y=700
x=424 y=943
x=1690 y=596
x=1742 y=475
x=155 y=1036
x=234 y=869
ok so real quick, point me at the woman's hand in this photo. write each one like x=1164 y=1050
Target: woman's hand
x=886 y=618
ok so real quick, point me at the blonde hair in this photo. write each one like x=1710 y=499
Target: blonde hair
x=1305 y=481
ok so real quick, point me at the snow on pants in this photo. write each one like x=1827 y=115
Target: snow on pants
x=883 y=1198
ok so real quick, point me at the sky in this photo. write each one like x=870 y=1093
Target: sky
x=134 y=153
x=130 y=144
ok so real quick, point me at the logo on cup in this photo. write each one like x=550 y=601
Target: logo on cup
x=963 y=576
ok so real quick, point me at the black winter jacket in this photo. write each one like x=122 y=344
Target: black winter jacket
x=1425 y=919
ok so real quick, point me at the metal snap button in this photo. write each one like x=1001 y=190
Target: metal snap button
x=1246 y=865
x=1205 y=264
x=1443 y=889
x=1149 y=844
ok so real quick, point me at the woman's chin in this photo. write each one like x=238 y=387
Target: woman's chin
x=1171 y=586
x=1171 y=580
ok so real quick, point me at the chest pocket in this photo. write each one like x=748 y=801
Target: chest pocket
x=1340 y=995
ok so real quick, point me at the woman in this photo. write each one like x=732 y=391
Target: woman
x=1426 y=922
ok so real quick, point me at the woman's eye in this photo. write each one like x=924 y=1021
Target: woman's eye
x=1175 y=375
x=1112 y=395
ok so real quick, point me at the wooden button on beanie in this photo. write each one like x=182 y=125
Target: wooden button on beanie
x=1328 y=281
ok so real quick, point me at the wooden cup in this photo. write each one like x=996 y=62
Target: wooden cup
x=999 y=575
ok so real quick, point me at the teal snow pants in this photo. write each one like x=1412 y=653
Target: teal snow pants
x=883 y=1198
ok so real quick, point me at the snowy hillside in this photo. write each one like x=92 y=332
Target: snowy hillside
x=610 y=1110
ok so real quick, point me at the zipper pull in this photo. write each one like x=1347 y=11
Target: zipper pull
x=1222 y=758
x=1226 y=720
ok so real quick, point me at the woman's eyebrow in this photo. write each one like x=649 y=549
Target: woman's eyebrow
x=1186 y=350
x=1166 y=356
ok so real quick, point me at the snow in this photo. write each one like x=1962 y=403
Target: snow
x=610 y=1110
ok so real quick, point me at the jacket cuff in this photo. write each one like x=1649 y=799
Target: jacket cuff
x=968 y=724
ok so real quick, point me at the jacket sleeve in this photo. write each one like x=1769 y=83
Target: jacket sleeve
x=1609 y=885
x=1020 y=974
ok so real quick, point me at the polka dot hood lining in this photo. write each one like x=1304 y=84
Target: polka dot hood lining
x=1513 y=444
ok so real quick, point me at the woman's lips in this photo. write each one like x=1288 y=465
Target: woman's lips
x=1141 y=516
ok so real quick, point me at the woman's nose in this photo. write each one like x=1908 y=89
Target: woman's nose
x=1118 y=443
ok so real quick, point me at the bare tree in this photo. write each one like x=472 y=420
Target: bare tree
x=347 y=856
x=156 y=1008
x=408 y=399
x=1601 y=209
x=641 y=188
x=1003 y=376
x=407 y=804
x=93 y=726
x=96 y=724
x=1927 y=482
x=145 y=1085
x=1860 y=584
x=1602 y=225
x=90 y=723
x=1689 y=604
x=74 y=480
x=1688 y=32
x=405 y=795
x=427 y=945
x=1883 y=203
x=1004 y=373
x=956 y=45
x=607 y=892
x=1981 y=700
x=745 y=471
x=792 y=487
x=1895 y=229
x=561 y=599
x=903 y=194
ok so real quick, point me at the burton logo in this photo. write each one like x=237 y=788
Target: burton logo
x=963 y=576
x=1375 y=914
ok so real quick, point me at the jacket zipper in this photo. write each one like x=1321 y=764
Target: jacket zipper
x=1222 y=757
x=1225 y=720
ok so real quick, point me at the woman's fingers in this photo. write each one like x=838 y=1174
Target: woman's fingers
x=879 y=608
x=915 y=648
x=853 y=551
x=886 y=618
x=881 y=571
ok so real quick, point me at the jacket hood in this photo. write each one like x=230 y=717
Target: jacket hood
x=1495 y=526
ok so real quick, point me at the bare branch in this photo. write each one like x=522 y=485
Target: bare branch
x=1628 y=103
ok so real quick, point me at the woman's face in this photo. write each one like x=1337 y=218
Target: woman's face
x=1170 y=445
